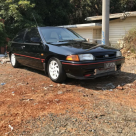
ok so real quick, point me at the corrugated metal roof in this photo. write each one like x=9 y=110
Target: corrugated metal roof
x=113 y=16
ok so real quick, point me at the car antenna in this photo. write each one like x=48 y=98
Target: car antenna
x=35 y=19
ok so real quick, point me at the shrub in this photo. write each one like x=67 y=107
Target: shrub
x=130 y=40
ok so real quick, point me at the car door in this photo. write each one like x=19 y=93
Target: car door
x=17 y=46
x=33 y=48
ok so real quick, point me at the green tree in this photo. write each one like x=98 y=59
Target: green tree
x=122 y=6
x=54 y=12
x=3 y=35
x=86 y=8
x=18 y=15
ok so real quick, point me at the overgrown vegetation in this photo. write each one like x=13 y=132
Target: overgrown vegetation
x=130 y=40
x=3 y=35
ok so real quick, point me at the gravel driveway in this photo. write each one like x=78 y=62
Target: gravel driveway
x=32 y=105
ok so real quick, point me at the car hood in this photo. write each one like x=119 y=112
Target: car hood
x=84 y=47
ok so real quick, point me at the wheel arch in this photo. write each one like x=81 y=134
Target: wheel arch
x=10 y=55
x=46 y=62
x=61 y=72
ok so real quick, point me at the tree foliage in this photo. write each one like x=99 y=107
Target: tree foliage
x=54 y=12
x=2 y=35
x=18 y=13
x=86 y=8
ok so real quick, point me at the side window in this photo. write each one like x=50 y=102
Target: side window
x=19 y=37
x=32 y=36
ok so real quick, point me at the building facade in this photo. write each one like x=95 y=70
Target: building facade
x=120 y=24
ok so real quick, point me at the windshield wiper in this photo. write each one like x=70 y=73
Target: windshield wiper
x=71 y=40
x=64 y=40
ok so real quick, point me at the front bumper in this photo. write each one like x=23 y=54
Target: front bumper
x=87 y=70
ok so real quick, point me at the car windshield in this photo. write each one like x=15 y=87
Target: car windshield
x=58 y=34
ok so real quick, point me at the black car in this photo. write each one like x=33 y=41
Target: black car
x=62 y=53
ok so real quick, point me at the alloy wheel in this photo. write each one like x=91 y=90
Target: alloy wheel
x=54 y=69
x=13 y=60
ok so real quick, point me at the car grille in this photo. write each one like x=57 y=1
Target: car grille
x=102 y=56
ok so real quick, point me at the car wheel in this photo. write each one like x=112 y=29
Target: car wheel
x=14 y=62
x=55 y=70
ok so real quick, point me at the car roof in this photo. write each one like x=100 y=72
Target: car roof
x=29 y=28
x=50 y=27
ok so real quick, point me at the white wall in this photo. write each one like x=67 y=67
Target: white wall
x=86 y=33
x=119 y=28
x=89 y=33
x=97 y=33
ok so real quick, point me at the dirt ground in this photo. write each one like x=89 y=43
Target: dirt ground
x=32 y=105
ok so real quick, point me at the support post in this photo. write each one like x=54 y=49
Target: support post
x=105 y=21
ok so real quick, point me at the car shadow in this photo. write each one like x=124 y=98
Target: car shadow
x=33 y=70
x=106 y=82
x=100 y=83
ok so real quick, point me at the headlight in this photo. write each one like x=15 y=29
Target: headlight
x=118 y=54
x=83 y=57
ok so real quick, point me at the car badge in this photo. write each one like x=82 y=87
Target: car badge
x=106 y=56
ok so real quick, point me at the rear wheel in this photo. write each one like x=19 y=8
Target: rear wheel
x=55 y=70
x=14 y=62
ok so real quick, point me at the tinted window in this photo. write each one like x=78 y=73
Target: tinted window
x=56 y=34
x=19 y=37
x=32 y=36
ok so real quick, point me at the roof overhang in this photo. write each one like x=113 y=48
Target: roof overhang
x=82 y=26
x=112 y=16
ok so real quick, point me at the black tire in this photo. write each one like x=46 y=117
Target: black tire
x=14 y=62
x=61 y=73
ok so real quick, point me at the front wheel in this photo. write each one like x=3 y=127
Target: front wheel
x=56 y=71
x=13 y=60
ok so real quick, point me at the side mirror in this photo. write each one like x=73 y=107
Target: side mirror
x=36 y=40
